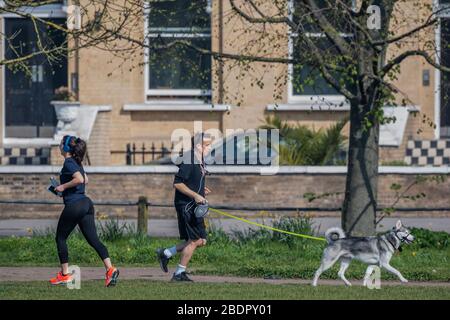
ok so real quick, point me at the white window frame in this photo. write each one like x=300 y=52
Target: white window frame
x=325 y=100
x=48 y=11
x=152 y=93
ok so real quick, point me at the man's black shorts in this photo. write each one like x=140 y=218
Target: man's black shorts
x=190 y=227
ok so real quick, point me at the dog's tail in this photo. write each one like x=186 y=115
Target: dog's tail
x=334 y=234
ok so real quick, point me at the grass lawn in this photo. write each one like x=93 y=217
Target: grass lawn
x=253 y=257
x=158 y=290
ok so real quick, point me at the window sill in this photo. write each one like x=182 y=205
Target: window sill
x=332 y=103
x=104 y=108
x=53 y=10
x=312 y=103
x=306 y=107
x=176 y=106
x=26 y=142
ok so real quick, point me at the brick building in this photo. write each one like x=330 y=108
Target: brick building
x=126 y=102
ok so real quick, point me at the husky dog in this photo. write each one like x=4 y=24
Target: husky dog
x=375 y=251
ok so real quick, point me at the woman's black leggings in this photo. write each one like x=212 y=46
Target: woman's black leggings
x=79 y=213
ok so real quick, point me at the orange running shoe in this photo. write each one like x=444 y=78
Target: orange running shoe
x=111 y=277
x=61 y=279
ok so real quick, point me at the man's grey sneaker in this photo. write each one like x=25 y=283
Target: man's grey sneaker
x=163 y=260
x=181 y=277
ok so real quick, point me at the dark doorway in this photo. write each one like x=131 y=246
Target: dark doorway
x=28 y=112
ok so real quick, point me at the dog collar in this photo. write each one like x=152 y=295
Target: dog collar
x=393 y=246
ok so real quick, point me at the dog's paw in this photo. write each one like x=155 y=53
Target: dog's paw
x=404 y=280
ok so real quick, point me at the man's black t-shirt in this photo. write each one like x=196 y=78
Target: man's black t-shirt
x=192 y=176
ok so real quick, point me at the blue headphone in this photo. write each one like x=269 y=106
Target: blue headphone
x=67 y=147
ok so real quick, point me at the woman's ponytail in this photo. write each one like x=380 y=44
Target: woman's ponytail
x=78 y=150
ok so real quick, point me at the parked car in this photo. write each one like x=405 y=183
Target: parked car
x=244 y=151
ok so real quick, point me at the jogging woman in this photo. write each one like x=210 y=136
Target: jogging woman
x=78 y=210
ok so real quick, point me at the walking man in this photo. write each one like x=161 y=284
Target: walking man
x=190 y=190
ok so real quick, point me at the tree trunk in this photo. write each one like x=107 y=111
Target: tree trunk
x=360 y=203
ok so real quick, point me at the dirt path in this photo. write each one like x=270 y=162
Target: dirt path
x=90 y=273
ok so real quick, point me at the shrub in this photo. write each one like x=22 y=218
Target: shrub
x=425 y=238
x=298 y=224
x=112 y=229
x=302 y=145
x=216 y=234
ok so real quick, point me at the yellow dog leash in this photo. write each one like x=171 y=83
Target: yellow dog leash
x=264 y=226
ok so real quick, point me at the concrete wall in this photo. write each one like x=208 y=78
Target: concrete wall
x=239 y=186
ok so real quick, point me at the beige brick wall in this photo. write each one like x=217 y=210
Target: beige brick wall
x=55 y=156
x=415 y=130
x=126 y=85
x=99 y=141
x=106 y=79
x=409 y=80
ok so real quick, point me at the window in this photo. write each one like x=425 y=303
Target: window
x=306 y=84
x=174 y=68
x=306 y=79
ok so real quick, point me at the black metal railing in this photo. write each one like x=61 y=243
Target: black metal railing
x=143 y=205
x=143 y=154
x=218 y=206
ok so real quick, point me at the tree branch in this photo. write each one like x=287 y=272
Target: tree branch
x=429 y=23
x=331 y=32
x=397 y=60
x=263 y=19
